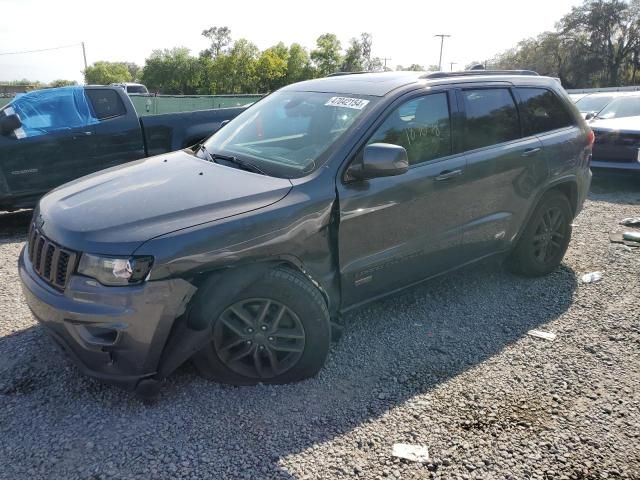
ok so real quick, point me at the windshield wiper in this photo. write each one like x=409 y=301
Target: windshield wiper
x=212 y=157
x=237 y=161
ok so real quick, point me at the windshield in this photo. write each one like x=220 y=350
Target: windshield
x=621 y=107
x=287 y=133
x=592 y=103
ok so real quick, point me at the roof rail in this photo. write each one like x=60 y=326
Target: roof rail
x=475 y=73
x=339 y=74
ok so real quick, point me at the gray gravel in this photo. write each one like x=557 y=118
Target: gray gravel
x=447 y=365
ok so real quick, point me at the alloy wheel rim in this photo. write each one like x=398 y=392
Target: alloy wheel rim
x=549 y=235
x=259 y=338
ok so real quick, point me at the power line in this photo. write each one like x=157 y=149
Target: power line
x=41 y=49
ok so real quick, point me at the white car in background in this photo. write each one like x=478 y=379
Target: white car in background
x=591 y=104
x=577 y=96
x=617 y=134
x=132 y=88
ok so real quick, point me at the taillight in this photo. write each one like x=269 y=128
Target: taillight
x=591 y=137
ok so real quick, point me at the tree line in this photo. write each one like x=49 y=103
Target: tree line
x=233 y=67
x=597 y=44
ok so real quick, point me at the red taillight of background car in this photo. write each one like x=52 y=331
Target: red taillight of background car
x=591 y=137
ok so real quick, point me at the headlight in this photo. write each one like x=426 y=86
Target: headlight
x=113 y=271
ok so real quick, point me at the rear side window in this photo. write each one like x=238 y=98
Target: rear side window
x=136 y=89
x=492 y=117
x=542 y=111
x=422 y=126
x=105 y=103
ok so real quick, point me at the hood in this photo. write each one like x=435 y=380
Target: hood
x=116 y=210
x=623 y=124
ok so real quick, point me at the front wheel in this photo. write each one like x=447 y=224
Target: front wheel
x=275 y=331
x=545 y=239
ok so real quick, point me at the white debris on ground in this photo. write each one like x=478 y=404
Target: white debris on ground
x=413 y=453
x=542 y=334
x=591 y=277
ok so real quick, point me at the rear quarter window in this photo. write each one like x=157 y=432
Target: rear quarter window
x=106 y=104
x=491 y=117
x=543 y=111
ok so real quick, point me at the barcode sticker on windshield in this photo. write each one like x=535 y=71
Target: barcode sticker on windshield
x=347 y=102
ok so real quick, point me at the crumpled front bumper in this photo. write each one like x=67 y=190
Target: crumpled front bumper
x=115 y=334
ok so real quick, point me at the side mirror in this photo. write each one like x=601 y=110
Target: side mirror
x=8 y=124
x=589 y=115
x=381 y=160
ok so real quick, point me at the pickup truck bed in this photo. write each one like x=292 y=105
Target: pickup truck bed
x=70 y=132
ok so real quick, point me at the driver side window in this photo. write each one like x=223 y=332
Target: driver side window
x=421 y=125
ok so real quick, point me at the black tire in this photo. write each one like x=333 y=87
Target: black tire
x=545 y=239
x=294 y=316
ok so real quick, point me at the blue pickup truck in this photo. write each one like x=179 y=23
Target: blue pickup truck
x=50 y=137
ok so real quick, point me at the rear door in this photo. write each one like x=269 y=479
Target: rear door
x=398 y=230
x=118 y=135
x=504 y=167
x=545 y=115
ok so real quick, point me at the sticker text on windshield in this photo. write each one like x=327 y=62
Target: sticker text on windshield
x=347 y=102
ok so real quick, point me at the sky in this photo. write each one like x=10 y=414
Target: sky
x=128 y=31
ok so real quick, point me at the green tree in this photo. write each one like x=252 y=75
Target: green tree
x=62 y=83
x=134 y=70
x=326 y=57
x=611 y=30
x=271 y=68
x=366 y=41
x=353 y=60
x=414 y=67
x=238 y=67
x=376 y=65
x=298 y=64
x=596 y=44
x=104 y=73
x=172 y=71
x=220 y=38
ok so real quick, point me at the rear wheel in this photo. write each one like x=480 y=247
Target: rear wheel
x=275 y=331
x=546 y=237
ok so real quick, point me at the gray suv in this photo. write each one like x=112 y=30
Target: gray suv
x=323 y=196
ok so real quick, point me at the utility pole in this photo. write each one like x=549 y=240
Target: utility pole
x=84 y=55
x=385 y=62
x=442 y=37
x=452 y=64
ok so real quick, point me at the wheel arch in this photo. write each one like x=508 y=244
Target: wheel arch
x=568 y=186
x=245 y=273
x=185 y=339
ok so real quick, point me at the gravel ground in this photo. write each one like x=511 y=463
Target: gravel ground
x=447 y=365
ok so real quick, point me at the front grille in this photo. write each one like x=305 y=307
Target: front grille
x=51 y=262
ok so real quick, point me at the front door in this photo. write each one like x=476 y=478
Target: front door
x=395 y=231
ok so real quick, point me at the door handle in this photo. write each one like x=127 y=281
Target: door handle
x=82 y=134
x=530 y=151
x=448 y=174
